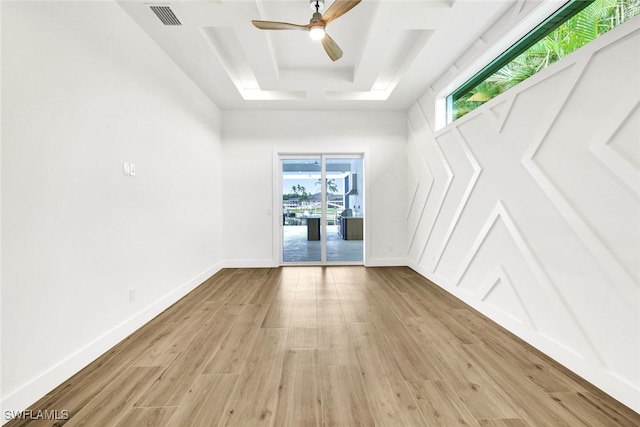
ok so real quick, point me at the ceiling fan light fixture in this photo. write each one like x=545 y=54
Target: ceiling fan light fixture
x=317 y=24
x=316 y=32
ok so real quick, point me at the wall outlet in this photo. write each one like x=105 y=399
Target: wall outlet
x=132 y=170
x=126 y=168
x=132 y=295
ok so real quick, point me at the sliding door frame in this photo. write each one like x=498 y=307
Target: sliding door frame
x=278 y=227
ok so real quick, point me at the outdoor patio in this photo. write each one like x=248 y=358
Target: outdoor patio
x=297 y=249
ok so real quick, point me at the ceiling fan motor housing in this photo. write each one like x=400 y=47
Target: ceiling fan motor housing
x=317 y=17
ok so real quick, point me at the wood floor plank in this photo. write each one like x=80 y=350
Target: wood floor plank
x=503 y=422
x=254 y=399
x=326 y=288
x=279 y=310
x=338 y=345
x=268 y=287
x=289 y=278
x=387 y=296
x=389 y=398
x=483 y=397
x=362 y=293
x=592 y=410
x=304 y=313
x=166 y=347
x=299 y=402
x=205 y=403
x=344 y=401
x=540 y=369
x=329 y=312
x=118 y=397
x=526 y=395
x=232 y=354
x=307 y=278
x=182 y=372
x=449 y=322
x=302 y=338
x=430 y=330
x=335 y=346
x=75 y=393
x=185 y=307
x=237 y=293
x=402 y=347
x=440 y=405
x=147 y=417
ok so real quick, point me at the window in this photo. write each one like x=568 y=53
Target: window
x=575 y=24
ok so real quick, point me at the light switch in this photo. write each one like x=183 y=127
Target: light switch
x=126 y=168
x=132 y=170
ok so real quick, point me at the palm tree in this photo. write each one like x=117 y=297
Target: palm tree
x=297 y=191
x=332 y=187
x=594 y=20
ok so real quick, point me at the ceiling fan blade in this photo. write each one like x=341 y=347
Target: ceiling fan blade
x=332 y=48
x=339 y=8
x=272 y=25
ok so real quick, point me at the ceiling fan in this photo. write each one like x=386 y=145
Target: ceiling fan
x=317 y=24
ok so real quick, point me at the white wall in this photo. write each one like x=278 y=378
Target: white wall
x=84 y=90
x=528 y=209
x=252 y=139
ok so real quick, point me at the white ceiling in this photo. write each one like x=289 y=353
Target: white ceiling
x=393 y=50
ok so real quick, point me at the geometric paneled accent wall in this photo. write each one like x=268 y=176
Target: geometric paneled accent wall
x=528 y=209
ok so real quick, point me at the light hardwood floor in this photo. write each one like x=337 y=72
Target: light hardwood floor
x=306 y=346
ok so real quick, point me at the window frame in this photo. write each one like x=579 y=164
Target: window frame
x=547 y=26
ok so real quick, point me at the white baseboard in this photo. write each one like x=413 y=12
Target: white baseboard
x=386 y=262
x=43 y=383
x=250 y=263
x=269 y=263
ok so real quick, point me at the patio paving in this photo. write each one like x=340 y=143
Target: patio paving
x=297 y=249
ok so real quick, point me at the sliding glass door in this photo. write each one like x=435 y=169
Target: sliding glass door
x=322 y=209
x=301 y=210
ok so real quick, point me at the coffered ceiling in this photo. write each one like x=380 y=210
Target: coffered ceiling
x=393 y=49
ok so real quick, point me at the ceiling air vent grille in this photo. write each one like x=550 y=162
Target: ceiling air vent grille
x=166 y=15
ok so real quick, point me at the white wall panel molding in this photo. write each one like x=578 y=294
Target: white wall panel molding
x=424 y=179
x=533 y=215
x=442 y=159
x=499 y=280
x=622 y=279
x=424 y=175
x=419 y=199
x=465 y=197
x=559 y=307
x=413 y=184
x=433 y=155
x=621 y=167
x=499 y=113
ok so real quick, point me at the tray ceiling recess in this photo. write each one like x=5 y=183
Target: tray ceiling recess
x=390 y=51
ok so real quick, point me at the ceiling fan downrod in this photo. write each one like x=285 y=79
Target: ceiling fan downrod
x=318 y=5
